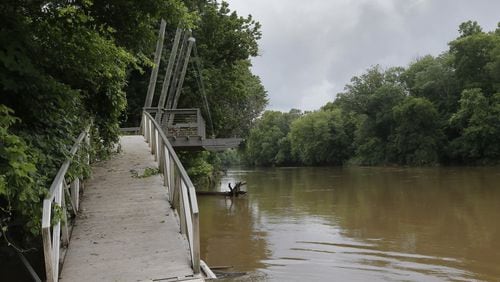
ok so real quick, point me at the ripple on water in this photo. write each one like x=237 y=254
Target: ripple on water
x=360 y=261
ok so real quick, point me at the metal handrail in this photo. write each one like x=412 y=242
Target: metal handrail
x=181 y=191
x=51 y=233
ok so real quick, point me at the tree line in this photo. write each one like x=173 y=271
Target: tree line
x=437 y=110
x=67 y=64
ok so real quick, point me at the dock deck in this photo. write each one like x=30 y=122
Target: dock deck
x=126 y=229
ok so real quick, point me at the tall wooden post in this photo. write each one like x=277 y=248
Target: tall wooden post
x=177 y=70
x=168 y=75
x=191 y=41
x=154 y=72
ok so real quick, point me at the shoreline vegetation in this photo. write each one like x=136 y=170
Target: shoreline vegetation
x=442 y=110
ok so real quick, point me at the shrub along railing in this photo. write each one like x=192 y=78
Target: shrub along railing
x=55 y=224
x=181 y=191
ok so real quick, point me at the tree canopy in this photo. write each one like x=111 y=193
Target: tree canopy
x=437 y=110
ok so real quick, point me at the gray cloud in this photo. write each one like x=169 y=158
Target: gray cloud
x=310 y=49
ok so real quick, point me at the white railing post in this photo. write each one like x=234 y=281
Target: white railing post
x=75 y=193
x=153 y=143
x=64 y=219
x=47 y=243
x=172 y=180
x=146 y=133
x=87 y=143
x=56 y=233
x=166 y=170
x=196 y=243
x=156 y=153
x=182 y=215
x=151 y=129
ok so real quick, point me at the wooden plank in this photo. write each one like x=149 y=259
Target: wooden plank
x=207 y=271
x=126 y=230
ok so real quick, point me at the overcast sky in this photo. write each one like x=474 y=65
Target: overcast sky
x=311 y=48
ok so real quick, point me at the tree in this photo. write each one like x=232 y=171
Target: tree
x=134 y=24
x=493 y=66
x=434 y=79
x=356 y=95
x=319 y=138
x=417 y=136
x=478 y=121
x=224 y=37
x=473 y=55
x=469 y=28
x=268 y=143
x=235 y=97
x=369 y=100
x=62 y=64
x=226 y=42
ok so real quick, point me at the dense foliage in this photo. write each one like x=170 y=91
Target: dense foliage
x=268 y=143
x=63 y=65
x=67 y=64
x=438 y=110
x=225 y=42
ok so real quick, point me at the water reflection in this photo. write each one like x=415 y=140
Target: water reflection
x=230 y=230
x=358 y=223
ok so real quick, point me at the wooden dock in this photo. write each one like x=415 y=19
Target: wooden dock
x=126 y=229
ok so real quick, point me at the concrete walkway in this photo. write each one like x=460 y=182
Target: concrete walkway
x=126 y=230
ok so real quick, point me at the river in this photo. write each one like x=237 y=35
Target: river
x=357 y=224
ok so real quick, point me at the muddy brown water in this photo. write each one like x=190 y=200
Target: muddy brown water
x=357 y=224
